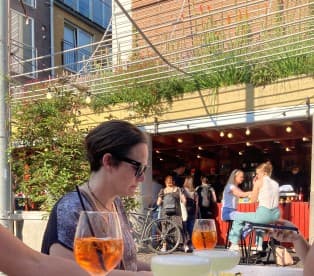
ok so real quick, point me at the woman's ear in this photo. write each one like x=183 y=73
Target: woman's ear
x=107 y=160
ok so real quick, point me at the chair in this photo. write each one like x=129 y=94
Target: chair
x=228 y=231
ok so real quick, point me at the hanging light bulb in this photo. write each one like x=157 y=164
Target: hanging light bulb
x=247 y=131
x=180 y=140
x=49 y=94
x=221 y=134
x=230 y=135
x=88 y=98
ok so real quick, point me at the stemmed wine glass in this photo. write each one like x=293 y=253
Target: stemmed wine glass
x=204 y=239
x=98 y=244
x=204 y=235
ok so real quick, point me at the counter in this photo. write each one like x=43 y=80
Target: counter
x=295 y=211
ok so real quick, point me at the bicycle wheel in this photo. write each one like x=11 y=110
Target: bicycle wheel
x=162 y=236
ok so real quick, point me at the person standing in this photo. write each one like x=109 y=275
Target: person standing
x=191 y=207
x=231 y=195
x=118 y=153
x=206 y=199
x=170 y=199
x=178 y=174
x=266 y=192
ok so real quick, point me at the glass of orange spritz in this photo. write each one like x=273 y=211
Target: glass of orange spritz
x=204 y=235
x=98 y=244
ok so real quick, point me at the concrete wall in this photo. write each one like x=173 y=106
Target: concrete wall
x=31 y=228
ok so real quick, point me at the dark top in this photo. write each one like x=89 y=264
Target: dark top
x=64 y=217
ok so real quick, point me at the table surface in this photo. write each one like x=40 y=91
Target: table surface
x=256 y=270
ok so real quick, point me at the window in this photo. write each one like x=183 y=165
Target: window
x=22 y=43
x=102 y=12
x=99 y=11
x=74 y=38
x=30 y=3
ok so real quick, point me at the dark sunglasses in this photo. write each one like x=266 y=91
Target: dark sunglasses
x=139 y=167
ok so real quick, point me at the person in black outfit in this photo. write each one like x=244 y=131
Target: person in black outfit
x=178 y=174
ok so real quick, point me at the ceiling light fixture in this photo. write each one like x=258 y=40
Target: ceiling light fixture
x=198 y=156
x=305 y=139
x=200 y=148
x=180 y=140
x=157 y=151
x=288 y=149
x=221 y=134
x=288 y=129
x=248 y=144
x=247 y=132
x=230 y=135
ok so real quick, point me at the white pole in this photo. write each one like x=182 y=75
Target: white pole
x=5 y=183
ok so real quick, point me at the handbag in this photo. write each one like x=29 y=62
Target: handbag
x=184 y=212
x=283 y=257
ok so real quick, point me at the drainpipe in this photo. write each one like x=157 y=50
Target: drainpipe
x=52 y=41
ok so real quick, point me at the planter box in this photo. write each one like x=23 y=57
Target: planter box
x=29 y=226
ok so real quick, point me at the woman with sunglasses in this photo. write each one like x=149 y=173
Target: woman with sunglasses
x=117 y=152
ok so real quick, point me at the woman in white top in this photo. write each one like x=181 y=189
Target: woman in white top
x=231 y=195
x=266 y=192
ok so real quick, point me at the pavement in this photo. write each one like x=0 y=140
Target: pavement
x=145 y=255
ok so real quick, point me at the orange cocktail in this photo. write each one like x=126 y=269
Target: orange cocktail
x=204 y=239
x=204 y=235
x=98 y=254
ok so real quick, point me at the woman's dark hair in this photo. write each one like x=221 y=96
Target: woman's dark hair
x=115 y=137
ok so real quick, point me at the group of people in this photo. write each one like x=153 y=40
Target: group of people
x=185 y=203
x=265 y=192
x=118 y=154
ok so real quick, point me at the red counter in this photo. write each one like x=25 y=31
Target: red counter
x=297 y=212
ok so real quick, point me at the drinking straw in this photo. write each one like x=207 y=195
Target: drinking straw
x=98 y=251
x=203 y=239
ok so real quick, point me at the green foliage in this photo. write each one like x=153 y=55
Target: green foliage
x=48 y=159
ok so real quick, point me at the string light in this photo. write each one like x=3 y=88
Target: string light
x=88 y=99
x=49 y=94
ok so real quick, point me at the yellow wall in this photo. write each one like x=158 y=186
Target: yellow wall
x=285 y=93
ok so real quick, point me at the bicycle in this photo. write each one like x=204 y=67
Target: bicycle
x=161 y=235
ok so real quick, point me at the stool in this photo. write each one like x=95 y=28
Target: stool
x=249 y=230
x=228 y=231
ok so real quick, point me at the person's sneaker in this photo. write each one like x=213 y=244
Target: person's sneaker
x=259 y=248
x=186 y=249
x=234 y=247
